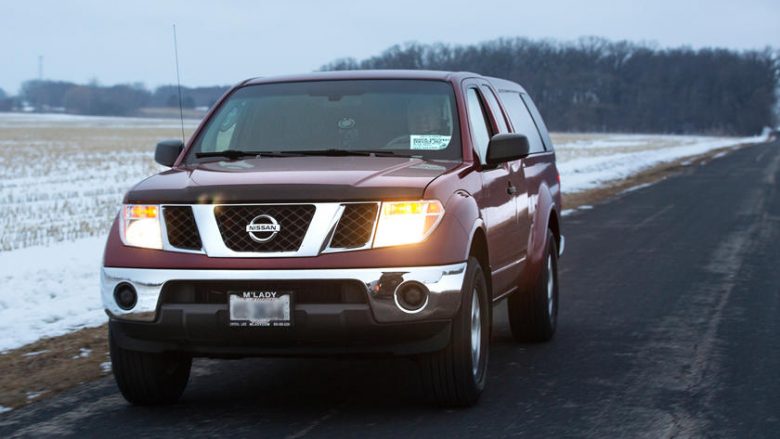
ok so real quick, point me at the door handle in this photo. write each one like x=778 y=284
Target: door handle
x=510 y=188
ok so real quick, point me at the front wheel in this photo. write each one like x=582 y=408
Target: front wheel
x=456 y=375
x=533 y=315
x=149 y=378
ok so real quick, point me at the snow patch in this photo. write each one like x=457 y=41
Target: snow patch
x=83 y=353
x=637 y=187
x=35 y=354
x=47 y=291
x=5 y=409
x=720 y=154
x=34 y=395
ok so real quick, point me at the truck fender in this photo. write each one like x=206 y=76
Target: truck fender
x=542 y=208
x=465 y=208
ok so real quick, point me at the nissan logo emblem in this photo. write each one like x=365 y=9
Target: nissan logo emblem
x=263 y=228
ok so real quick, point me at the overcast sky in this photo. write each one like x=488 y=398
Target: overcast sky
x=223 y=42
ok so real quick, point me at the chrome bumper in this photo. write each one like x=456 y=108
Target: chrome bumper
x=443 y=282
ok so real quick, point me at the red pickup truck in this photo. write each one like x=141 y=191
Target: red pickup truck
x=340 y=213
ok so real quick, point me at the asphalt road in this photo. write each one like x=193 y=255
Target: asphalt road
x=669 y=327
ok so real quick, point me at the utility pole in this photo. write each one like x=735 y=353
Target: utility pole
x=40 y=67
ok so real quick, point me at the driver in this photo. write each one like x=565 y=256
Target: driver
x=424 y=116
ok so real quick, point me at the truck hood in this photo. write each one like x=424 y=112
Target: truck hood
x=291 y=179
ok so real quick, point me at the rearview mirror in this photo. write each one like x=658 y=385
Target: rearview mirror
x=168 y=151
x=506 y=147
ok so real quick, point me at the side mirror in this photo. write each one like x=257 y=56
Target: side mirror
x=506 y=147
x=168 y=151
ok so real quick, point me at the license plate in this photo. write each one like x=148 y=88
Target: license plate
x=260 y=308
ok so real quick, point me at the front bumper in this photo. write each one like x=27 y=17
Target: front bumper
x=443 y=283
x=377 y=325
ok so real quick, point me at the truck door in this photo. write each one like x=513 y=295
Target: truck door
x=518 y=177
x=498 y=197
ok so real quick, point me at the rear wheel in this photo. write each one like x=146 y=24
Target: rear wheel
x=149 y=378
x=455 y=376
x=533 y=315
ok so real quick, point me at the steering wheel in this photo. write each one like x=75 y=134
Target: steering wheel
x=400 y=142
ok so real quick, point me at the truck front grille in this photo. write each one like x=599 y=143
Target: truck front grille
x=355 y=226
x=293 y=221
x=181 y=227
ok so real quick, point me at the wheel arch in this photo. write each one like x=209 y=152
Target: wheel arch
x=545 y=217
x=554 y=224
x=478 y=248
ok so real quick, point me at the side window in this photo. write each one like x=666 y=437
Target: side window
x=495 y=109
x=521 y=120
x=539 y=122
x=480 y=133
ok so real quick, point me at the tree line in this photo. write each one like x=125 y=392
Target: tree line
x=591 y=84
x=597 y=85
x=114 y=100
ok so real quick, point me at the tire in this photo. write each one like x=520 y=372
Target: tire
x=149 y=378
x=533 y=315
x=456 y=375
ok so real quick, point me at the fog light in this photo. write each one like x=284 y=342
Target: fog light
x=411 y=297
x=125 y=296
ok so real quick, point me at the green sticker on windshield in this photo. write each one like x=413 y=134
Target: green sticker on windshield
x=428 y=141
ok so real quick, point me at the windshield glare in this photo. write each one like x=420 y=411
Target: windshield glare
x=407 y=117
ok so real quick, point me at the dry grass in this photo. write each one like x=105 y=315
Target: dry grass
x=51 y=365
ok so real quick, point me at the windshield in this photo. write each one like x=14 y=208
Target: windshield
x=413 y=118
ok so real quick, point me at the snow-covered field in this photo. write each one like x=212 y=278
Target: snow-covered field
x=62 y=179
x=61 y=176
x=587 y=161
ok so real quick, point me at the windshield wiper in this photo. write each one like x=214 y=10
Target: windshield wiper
x=234 y=154
x=349 y=152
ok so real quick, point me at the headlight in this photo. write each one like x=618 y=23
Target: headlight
x=407 y=222
x=141 y=226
